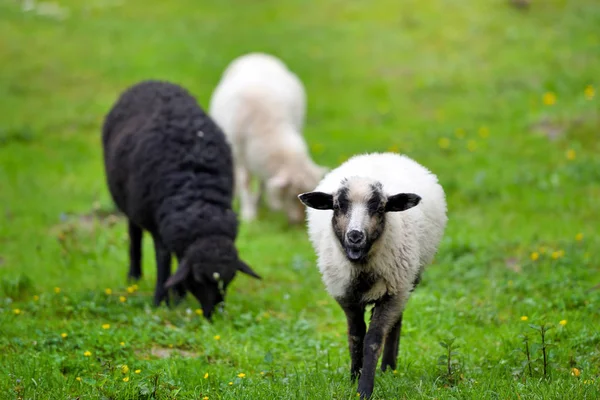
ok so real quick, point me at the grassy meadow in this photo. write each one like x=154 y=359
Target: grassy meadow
x=502 y=103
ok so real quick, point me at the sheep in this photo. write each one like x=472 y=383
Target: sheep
x=375 y=223
x=260 y=105
x=169 y=169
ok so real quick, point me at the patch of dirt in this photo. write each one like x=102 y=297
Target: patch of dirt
x=551 y=129
x=88 y=221
x=513 y=264
x=163 y=352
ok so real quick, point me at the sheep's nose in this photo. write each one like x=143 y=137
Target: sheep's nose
x=355 y=237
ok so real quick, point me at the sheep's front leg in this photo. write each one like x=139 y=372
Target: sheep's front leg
x=248 y=200
x=163 y=271
x=135 y=251
x=390 y=350
x=386 y=313
x=355 y=315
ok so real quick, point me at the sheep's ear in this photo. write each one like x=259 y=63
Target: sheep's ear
x=317 y=200
x=402 y=202
x=245 y=268
x=182 y=273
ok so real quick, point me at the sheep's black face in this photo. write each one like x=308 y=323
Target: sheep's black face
x=207 y=269
x=359 y=213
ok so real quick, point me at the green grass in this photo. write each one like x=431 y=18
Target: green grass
x=427 y=78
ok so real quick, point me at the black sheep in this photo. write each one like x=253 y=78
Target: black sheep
x=169 y=169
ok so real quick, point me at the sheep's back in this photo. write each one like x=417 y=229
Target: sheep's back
x=163 y=152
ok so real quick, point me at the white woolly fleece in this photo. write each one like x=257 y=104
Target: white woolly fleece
x=410 y=238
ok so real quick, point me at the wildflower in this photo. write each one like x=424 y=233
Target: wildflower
x=56 y=290
x=555 y=255
x=36 y=297
x=206 y=375
x=205 y=398
x=589 y=92
x=444 y=143
x=126 y=379
x=124 y=369
x=199 y=311
x=484 y=132
x=87 y=353
x=122 y=343
x=524 y=318
x=241 y=375
x=471 y=145
x=575 y=372
x=130 y=290
x=108 y=291
x=105 y=326
x=534 y=256
x=549 y=98
x=122 y=299
x=395 y=372
x=17 y=311
x=78 y=379
x=170 y=346
x=217 y=337
x=563 y=322
x=588 y=381
x=579 y=237
x=137 y=371
x=230 y=383
x=262 y=372
x=571 y=154
x=63 y=335
x=460 y=133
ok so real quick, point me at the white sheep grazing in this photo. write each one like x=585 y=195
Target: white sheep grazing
x=260 y=105
x=375 y=222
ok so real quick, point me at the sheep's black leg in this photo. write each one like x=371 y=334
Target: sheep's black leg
x=163 y=271
x=135 y=251
x=355 y=315
x=385 y=315
x=390 y=350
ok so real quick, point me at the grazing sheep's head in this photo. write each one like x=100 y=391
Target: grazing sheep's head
x=283 y=189
x=359 y=208
x=207 y=268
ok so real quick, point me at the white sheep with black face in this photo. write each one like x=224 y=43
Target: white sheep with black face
x=375 y=223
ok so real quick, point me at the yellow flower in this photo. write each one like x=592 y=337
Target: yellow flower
x=122 y=299
x=524 y=318
x=563 y=322
x=393 y=148
x=199 y=311
x=206 y=375
x=137 y=371
x=571 y=154
x=105 y=326
x=395 y=372
x=444 y=143
x=549 y=98
x=56 y=290
x=230 y=383
x=589 y=92
x=108 y=291
x=484 y=132
x=17 y=311
x=217 y=337
x=460 y=133
x=510 y=283
x=205 y=398
x=63 y=335
x=130 y=289
x=534 y=256
x=36 y=297
x=472 y=145
x=588 y=381
x=579 y=237
x=87 y=353
x=241 y=375
x=170 y=346
x=126 y=379
x=78 y=379
x=122 y=343
x=555 y=255
x=575 y=372
x=124 y=369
